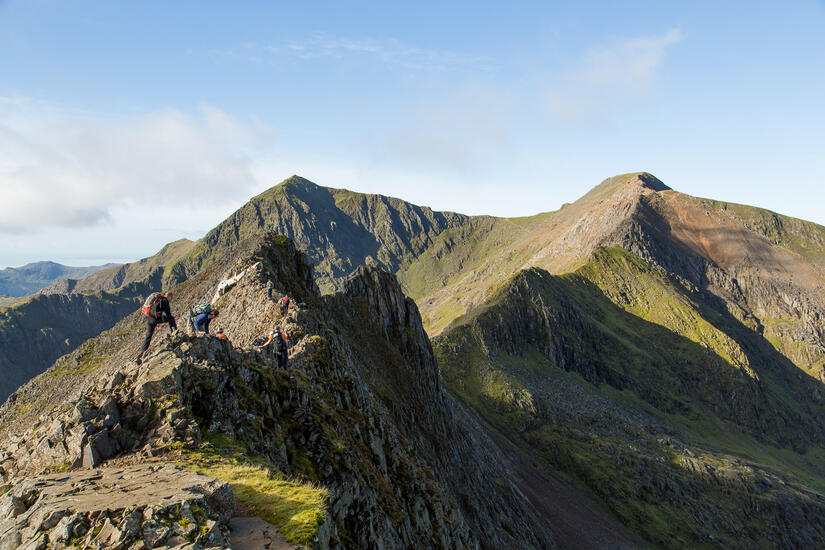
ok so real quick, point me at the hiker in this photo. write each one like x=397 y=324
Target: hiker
x=202 y=320
x=269 y=288
x=221 y=336
x=285 y=305
x=279 y=346
x=156 y=311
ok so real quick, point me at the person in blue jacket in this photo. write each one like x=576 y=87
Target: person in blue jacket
x=202 y=321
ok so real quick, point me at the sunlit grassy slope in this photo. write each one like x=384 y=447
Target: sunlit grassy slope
x=296 y=507
x=645 y=392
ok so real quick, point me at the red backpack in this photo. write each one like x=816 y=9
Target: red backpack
x=151 y=307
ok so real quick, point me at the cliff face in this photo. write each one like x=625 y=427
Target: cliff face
x=35 y=333
x=360 y=414
x=766 y=269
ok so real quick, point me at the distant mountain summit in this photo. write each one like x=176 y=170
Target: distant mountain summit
x=339 y=229
x=28 y=279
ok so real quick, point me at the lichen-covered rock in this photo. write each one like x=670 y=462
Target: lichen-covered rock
x=116 y=508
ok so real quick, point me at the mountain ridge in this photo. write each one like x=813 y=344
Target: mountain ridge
x=455 y=260
x=663 y=353
x=28 y=279
x=361 y=411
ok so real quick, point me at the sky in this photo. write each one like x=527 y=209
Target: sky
x=127 y=125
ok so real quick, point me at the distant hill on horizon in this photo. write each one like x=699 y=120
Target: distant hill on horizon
x=28 y=279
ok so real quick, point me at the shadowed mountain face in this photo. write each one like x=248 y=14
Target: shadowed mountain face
x=28 y=279
x=44 y=327
x=36 y=330
x=663 y=351
x=339 y=230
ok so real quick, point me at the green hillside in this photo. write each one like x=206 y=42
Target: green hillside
x=684 y=422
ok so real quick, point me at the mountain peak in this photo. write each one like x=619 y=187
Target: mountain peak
x=295 y=181
x=649 y=181
x=642 y=180
x=622 y=185
x=294 y=185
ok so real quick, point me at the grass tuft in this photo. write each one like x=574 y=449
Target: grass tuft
x=297 y=508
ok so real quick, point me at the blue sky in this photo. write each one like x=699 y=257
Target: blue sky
x=124 y=126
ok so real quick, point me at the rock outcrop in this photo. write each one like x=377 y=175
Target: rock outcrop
x=147 y=506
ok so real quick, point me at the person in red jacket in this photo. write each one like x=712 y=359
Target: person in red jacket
x=156 y=311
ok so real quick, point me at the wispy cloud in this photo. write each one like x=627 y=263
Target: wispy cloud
x=13 y=100
x=606 y=75
x=75 y=171
x=389 y=52
x=462 y=133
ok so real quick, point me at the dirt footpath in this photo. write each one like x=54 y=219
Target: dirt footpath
x=248 y=532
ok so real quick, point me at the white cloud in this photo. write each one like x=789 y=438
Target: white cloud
x=13 y=100
x=74 y=172
x=608 y=75
x=631 y=64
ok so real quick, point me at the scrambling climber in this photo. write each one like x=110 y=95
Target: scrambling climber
x=269 y=288
x=156 y=311
x=202 y=320
x=221 y=336
x=285 y=305
x=280 y=348
x=270 y=338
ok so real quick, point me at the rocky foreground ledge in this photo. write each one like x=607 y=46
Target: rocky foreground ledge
x=134 y=507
